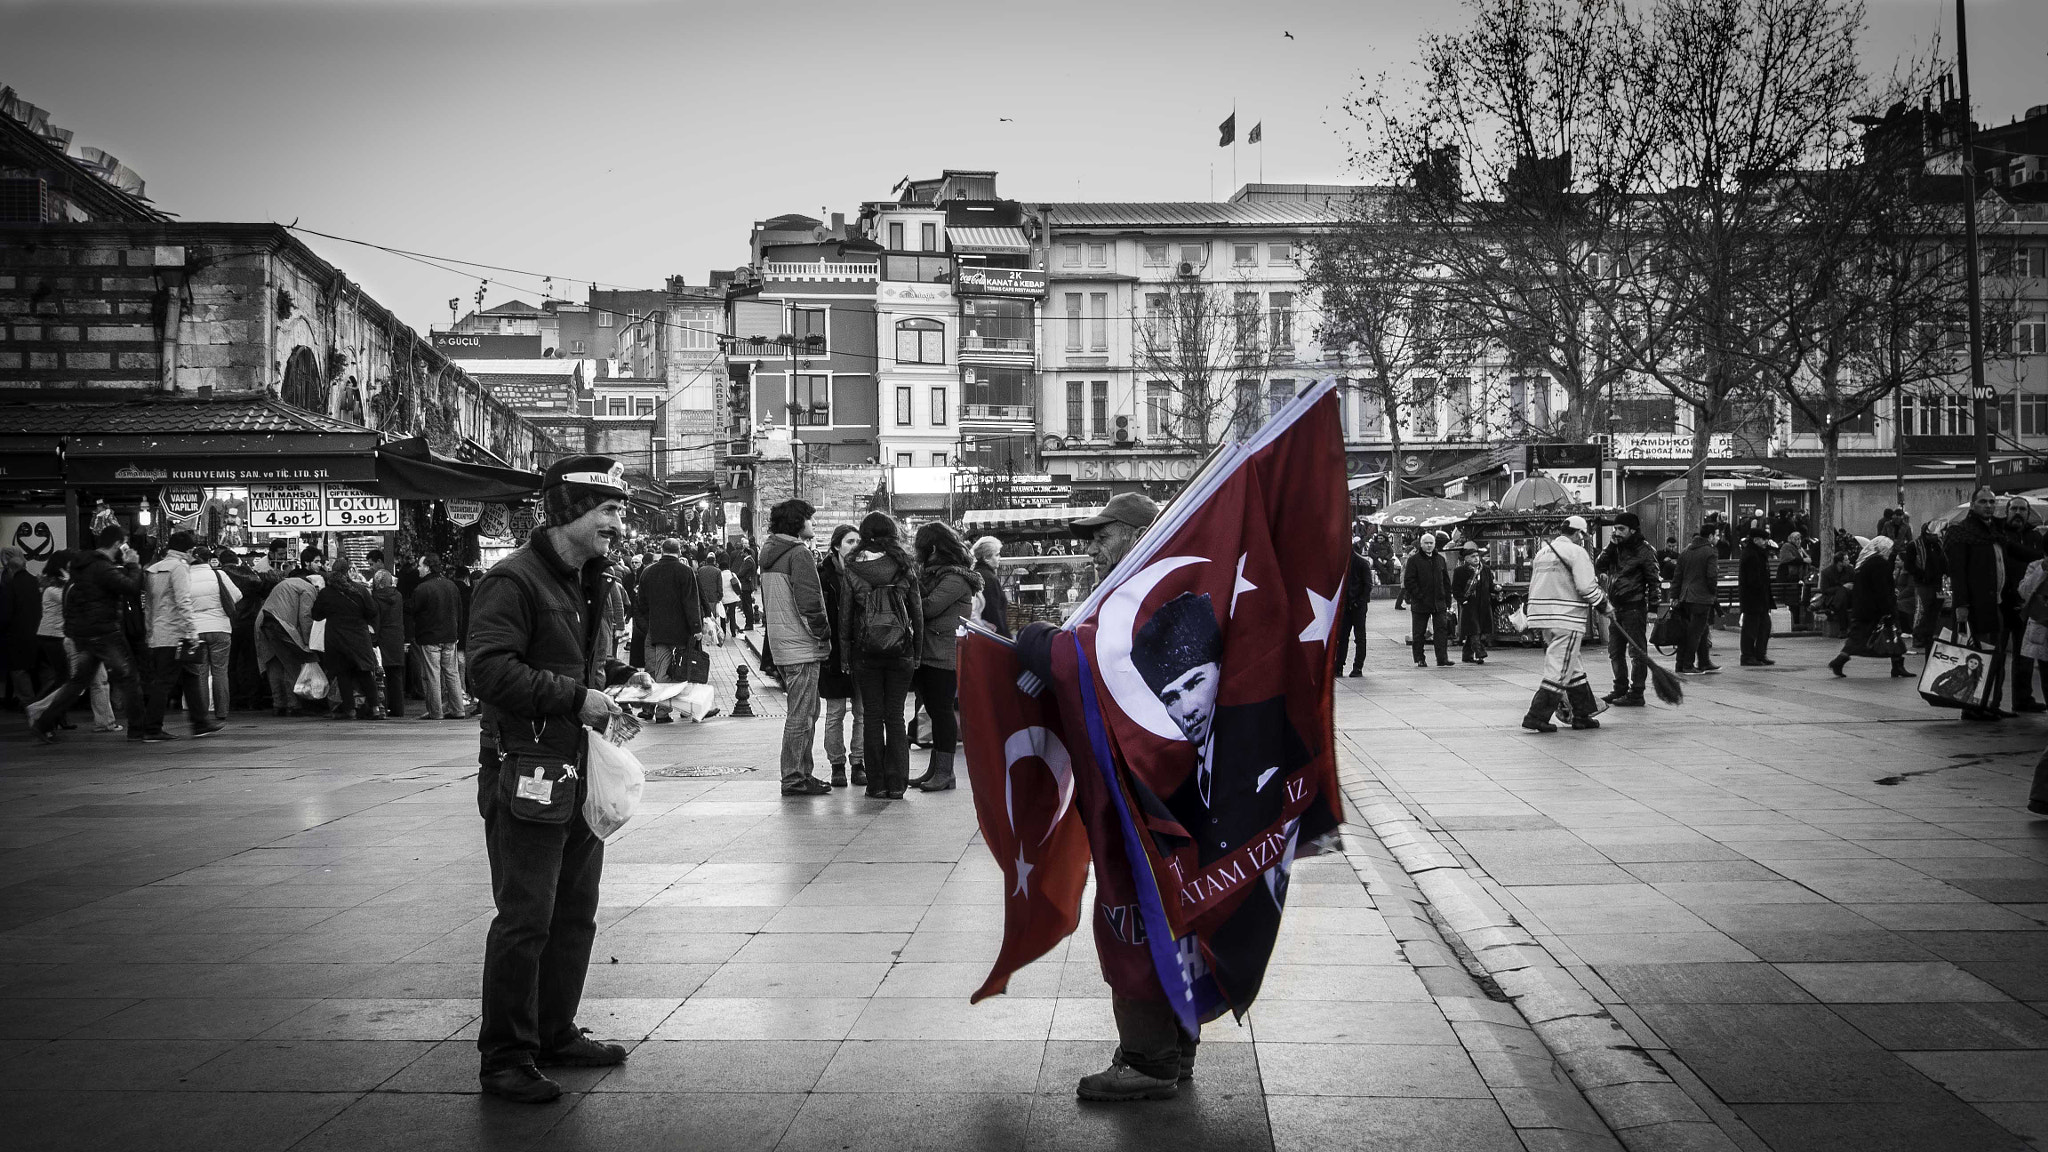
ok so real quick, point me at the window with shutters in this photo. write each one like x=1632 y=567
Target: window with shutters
x=1098 y=321
x=1098 y=402
x=1073 y=321
x=1077 y=414
x=903 y=407
x=938 y=407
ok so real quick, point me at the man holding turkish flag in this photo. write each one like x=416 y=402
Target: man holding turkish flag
x=1192 y=699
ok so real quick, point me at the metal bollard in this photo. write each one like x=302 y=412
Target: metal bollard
x=742 y=703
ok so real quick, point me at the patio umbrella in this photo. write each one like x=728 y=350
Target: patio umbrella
x=2037 y=498
x=1422 y=512
x=1535 y=494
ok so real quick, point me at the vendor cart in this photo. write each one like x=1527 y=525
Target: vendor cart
x=1512 y=539
x=1042 y=568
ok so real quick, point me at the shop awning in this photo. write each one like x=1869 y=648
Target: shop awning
x=411 y=470
x=190 y=441
x=988 y=240
x=996 y=519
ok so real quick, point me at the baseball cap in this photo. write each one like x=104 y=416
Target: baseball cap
x=1132 y=508
x=1575 y=523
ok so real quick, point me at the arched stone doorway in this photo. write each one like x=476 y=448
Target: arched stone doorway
x=305 y=386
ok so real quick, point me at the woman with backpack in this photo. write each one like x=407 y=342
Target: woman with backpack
x=881 y=620
x=950 y=585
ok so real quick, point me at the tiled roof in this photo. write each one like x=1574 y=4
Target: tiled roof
x=1198 y=214
x=156 y=417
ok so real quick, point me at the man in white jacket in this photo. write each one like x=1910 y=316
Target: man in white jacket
x=167 y=605
x=1563 y=594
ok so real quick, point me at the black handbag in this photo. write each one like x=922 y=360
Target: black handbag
x=1665 y=632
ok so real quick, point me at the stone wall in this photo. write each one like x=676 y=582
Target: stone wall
x=841 y=493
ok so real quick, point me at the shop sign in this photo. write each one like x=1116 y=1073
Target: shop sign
x=496 y=521
x=218 y=471
x=1000 y=281
x=522 y=522
x=1576 y=482
x=463 y=513
x=38 y=532
x=1669 y=445
x=1543 y=456
x=284 y=506
x=912 y=292
x=350 y=509
x=183 y=503
x=19 y=466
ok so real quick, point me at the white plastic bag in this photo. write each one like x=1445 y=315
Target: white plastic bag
x=696 y=702
x=316 y=640
x=312 y=682
x=616 y=783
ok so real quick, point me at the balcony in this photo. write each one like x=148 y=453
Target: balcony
x=975 y=343
x=820 y=270
x=999 y=414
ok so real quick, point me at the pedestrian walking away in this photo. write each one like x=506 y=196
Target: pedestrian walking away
x=1754 y=591
x=537 y=649
x=390 y=632
x=1872 y=606
x=674 y=613
x=1426 y=586
x=1632 y=574
x=1358 y=584
x=881 y=614
x=1473 y=588
x=950 y=587
x=799 y=628
x=1563 y=594
x=21 y=613
x=835 y=680
x=214 y=598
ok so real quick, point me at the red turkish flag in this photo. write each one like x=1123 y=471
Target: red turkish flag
x=1211 y=660
x=1022 y=774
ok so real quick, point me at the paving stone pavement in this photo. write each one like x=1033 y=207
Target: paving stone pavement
x=271 y=939
x=1816 y=902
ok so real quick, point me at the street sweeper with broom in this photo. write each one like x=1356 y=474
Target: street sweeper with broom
x=1563 y=594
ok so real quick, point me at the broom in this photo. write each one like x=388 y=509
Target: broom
x=1669 y=688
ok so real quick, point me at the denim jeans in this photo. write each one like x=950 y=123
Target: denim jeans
x=836 y=712
x=441 y=680
x=800 y=721
x=544 y=881
x=218 y=646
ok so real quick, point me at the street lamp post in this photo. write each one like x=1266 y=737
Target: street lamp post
x=1980 y=393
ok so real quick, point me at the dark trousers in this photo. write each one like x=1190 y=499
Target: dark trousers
x=1756 y=633
x=1472 y=627
x=937 y=693
x=350 y=682
x=544 y=880
x=886 y=743
x=165 y=673
x=96 y=652
x=1149 y=1038
x=1928 y=618
x=1988 y=628
x=1634 y=620
x=1692 y=642
x=1424 y=620
x=2022 y=677
x=394 y=689
x=1352 y=625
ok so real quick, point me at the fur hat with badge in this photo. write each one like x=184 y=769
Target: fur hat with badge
x=573 y=485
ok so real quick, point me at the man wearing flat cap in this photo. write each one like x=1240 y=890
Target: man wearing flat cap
x=538 y=660
x=1108 y=534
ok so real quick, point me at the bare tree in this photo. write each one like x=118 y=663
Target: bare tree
x=1385 y=309
x=1203 y=342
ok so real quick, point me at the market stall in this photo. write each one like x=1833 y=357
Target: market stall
x=1511 y=537
x=1042 y=567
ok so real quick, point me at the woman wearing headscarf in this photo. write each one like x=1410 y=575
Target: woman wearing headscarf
x=1871 y=604
x=350 y=656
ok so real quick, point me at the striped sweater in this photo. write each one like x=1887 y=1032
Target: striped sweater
x=1562 y=587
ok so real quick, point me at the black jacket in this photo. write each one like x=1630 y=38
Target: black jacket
x=1923 y=559
x=1357 y=587
x=710 y=587
x=537 y=641
x=1634 y=578
x=435 y=608
x=669 y=602
x=351 y=617
x=874 y=573
x=1426 y=582
x=1754 y=579
x=1475 y=592
x=1976 y=552
x=995 y=603
x=1871 y=599
x=1699 y=573
x=98 y=590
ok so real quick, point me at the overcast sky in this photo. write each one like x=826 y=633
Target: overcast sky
x=623 y=142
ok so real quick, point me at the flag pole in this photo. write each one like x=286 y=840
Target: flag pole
x=1233 y=153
